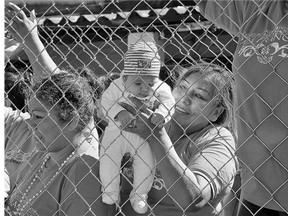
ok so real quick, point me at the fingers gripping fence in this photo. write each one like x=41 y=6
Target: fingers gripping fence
x=92 y=38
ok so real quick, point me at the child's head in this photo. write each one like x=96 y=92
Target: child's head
x=141 y=68
x=17 y=88
x=139 y=86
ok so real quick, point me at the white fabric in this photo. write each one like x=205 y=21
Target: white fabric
x=115 y=143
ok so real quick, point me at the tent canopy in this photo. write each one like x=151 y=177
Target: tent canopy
x=56 y=7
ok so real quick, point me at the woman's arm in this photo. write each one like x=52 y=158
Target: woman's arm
x=189 y=191
x=24 y=30
x=232 y=199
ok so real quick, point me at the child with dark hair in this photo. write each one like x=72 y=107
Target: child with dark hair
x=16 y=88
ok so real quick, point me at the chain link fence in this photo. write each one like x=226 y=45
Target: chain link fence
x=97 y=34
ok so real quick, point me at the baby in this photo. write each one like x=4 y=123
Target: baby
x=140 y=79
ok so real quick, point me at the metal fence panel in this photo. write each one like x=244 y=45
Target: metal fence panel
x=97 y=34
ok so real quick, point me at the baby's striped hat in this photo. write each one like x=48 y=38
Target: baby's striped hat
x=142 y=58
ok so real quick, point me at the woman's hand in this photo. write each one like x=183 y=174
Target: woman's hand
x=24 y=30
x=18 y=24
x=142 y=125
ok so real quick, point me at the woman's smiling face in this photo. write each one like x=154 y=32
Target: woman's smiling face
x=46 y=125
x=194 y=105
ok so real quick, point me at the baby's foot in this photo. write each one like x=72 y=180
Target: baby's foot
x=110 y=198
x=139 y=203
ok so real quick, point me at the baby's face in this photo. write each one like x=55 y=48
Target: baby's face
x=140 y=85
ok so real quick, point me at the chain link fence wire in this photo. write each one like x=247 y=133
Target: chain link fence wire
x=96 y=34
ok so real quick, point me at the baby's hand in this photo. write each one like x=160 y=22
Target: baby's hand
x=157 y=119
x=125 y=118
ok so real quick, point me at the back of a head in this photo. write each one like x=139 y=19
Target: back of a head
x=92 y=79
x=105 y=81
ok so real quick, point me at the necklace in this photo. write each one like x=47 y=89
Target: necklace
x=22 y=204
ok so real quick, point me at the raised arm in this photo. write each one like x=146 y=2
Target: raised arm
x=189 y=191
x=24 y=30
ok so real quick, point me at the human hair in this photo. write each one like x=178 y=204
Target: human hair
x=70 y=94
x=17 y=84
x=93 y=81
x=224 y=92
x=170 y=74
x=106 y=80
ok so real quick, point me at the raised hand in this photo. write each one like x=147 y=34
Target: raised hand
x=18 y=24
x=24 y=30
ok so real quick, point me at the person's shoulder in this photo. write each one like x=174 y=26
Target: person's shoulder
x=220 y=130
x=222 y=135
x=216 y=132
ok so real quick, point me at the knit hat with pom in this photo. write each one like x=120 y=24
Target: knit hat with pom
x=142 y=58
